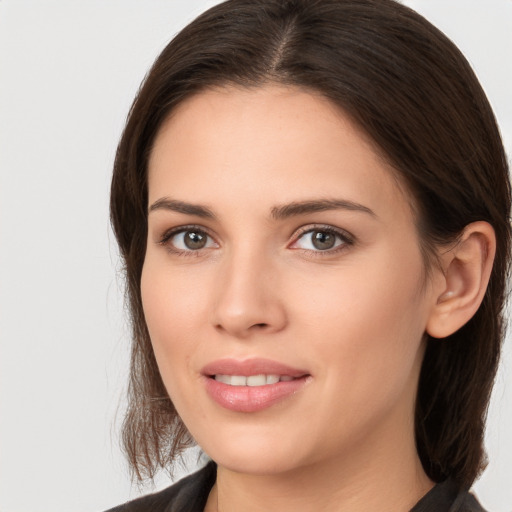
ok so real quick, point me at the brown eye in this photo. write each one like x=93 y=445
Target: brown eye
x=188 y=240
x=194 y=240
x=323 y=240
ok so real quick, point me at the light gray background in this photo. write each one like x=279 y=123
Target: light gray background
x=68 y=72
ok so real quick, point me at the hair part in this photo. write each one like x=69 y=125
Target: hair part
x=408 y=87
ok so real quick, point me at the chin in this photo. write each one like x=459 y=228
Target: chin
x=262 y=465
x=256 y=454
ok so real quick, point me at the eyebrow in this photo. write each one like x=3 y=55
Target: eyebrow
x=305 y=207
x=181 y=207
x=277 y=212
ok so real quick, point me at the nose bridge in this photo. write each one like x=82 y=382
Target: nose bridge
x=247 y=298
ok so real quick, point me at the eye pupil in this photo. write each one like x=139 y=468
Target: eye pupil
x=323 y=240
x=194 y=240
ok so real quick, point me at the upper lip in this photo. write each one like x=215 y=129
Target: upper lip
x=248 y=367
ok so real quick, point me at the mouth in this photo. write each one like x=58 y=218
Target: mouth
x=252 y=385
x=252 y=380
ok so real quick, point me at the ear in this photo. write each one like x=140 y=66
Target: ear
x=466 y=269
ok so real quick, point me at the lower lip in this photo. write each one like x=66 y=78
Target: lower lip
x=252 y=398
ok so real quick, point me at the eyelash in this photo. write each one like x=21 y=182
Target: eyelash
x=168 y=235
x=343 y=236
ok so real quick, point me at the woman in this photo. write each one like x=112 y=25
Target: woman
x=312 y=203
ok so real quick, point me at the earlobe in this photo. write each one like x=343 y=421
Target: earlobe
x=466 y=272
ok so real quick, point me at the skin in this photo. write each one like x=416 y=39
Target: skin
x=354 y=316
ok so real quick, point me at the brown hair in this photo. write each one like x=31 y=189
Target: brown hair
x=412 y=91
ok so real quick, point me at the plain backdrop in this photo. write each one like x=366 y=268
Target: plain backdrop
x=68 y=72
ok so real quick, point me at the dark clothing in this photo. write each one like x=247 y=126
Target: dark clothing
x=187 y=495
x=445 y=497
x=191 y=493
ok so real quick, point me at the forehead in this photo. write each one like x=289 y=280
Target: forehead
x=281 y=143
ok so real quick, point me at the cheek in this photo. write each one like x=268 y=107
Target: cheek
x=369 y=323
x=176 y=306
x=171 y=313
x=173 y=298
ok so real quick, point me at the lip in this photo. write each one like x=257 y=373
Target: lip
x=249 y=367
x=248 y=398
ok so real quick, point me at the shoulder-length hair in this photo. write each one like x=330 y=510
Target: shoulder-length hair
x=412 y=91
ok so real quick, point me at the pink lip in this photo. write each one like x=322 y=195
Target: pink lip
x=251 y=367
x=249 y=398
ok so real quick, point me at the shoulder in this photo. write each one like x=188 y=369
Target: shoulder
x=187 y=495
x=448 y=497
x=466 y=502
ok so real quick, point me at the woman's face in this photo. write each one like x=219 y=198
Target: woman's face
x=283 y=283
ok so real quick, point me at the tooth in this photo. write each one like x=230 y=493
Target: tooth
x=238 y=380
x=272 y=379
x=252 y=380
x=256 y=380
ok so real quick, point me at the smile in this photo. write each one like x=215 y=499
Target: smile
x=252 y=380
x=252 y=385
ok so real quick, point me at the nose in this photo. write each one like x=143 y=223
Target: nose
x=247 y=297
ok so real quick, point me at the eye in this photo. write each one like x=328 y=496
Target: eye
x=321 y=239
x=188 y=240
